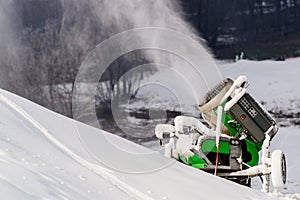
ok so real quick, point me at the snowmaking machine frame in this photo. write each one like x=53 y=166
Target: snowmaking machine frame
x=239 y=128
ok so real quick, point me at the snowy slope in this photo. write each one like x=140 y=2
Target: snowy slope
x=43 y=157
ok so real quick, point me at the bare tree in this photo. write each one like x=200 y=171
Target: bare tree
x=121 y=81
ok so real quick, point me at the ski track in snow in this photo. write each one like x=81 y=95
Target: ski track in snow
x=101 y=171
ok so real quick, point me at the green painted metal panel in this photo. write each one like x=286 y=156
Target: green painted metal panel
x=252 y=149
x=210 y=146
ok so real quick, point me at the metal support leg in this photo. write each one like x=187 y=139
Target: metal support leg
x=266 y=162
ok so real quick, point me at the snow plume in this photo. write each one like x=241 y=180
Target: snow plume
x=93 y=21
x=158 y=30
x=114 y=16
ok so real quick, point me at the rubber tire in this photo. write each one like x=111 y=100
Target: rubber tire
x=278 y=169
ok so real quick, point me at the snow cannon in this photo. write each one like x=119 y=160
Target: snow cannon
x=237 y=129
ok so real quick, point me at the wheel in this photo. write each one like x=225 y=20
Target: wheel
x=278 y=169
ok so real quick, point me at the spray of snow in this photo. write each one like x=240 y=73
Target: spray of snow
x=110 y=17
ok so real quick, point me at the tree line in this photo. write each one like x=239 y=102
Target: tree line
x=225 y=24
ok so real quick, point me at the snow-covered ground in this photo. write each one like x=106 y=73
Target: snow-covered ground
x=44 y=155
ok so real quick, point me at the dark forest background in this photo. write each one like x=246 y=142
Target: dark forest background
x=262 y=29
